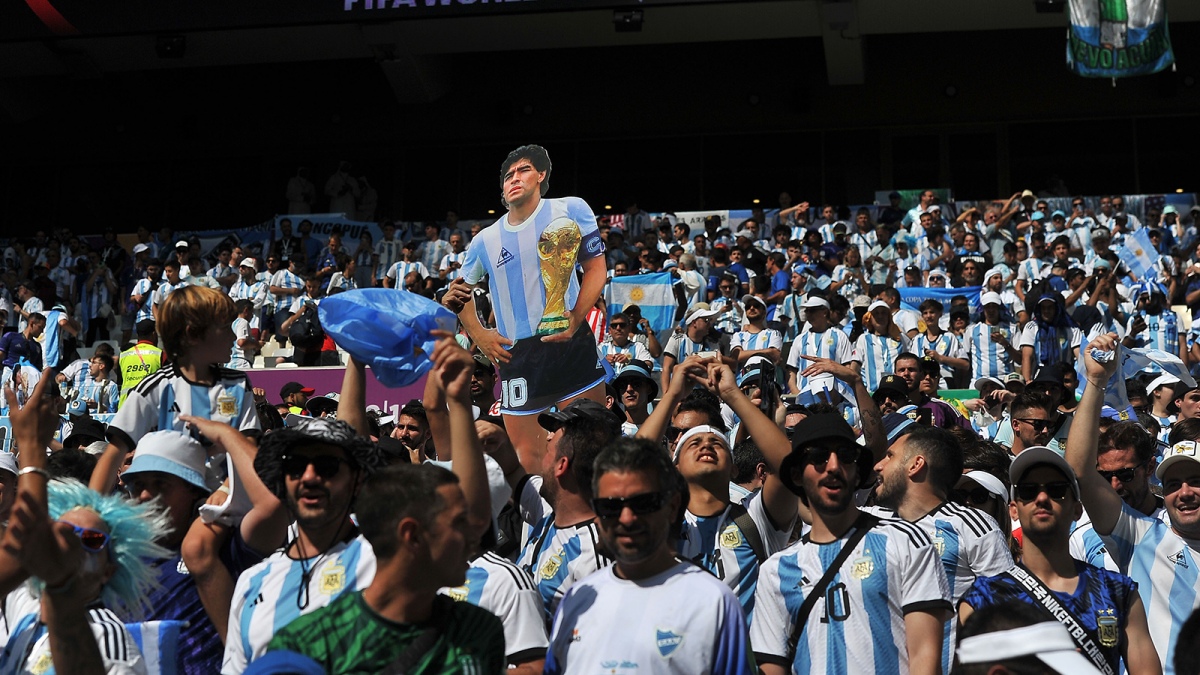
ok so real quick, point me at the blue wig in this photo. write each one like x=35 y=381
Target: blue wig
x=134 y=530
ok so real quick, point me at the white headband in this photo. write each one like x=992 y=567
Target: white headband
x=1049 y=642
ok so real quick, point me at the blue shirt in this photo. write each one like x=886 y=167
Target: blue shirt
x=16 y=347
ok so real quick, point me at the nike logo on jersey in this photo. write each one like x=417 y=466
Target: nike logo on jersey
x=505 y=257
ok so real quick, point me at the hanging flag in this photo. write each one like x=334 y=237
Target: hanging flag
x=1118 y=38
x=653 y=293
x=1139 y=254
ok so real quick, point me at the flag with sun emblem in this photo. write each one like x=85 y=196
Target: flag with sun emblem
x=653 y=293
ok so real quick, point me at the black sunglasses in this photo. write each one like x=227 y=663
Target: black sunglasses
x=1039 y=425
x=618 y=325
x=326 y=466
x=1124 y=475
x=818 y=455
x=643 y=504
x=1028 y=492
x=979 y=496
x=672 y=433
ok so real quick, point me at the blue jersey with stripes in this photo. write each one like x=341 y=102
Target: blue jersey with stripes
x=858 y=625
x=877 y=354
x=830 y=344
x=718 y=544
x=1166 y=568
x=988 y=358
x=1162 y=332
x=1100 y=603
x=276 y=591
x=790 y=308
x=946 y=344
x=511 y=258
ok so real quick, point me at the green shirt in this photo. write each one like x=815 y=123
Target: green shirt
x=349 y=637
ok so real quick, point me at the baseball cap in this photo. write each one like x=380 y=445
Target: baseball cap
x=323 y=404
x=84 y=432
x=814 y=301
x=913 y=269
x=1161 y=380
x=171 y=452
x=77 y=407
x=752 y=371
x=138 y=248
x=1037 y=456
x=822 y=427
x=990 y=298
x=896 y=425
x=1058 y=214
x=582 y=408
x=1049 y=642
x=1037 y=215
x=182 y=243
x=1183 y=450
x=744 y=233
x=877 y=304
x=1014 y=380
x=984 y=380
x=986 y=480
x=894 y=195
x=635 y=371
x=482 y=361
x=1051 y=374
x=934 y=207
x=747 y=299
x=8 y=462
x=699 y=310
x=248 y=262
x=893 y=383
x=295 y=388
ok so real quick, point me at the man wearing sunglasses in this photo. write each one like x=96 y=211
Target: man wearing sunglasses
x=882 y=609
x=618 y=348
x=916 y=475
x=1101 y=609
x=1150 y=551
x=684 y=621
x=1031 y=419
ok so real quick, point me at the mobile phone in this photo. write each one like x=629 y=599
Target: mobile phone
x=707 y=354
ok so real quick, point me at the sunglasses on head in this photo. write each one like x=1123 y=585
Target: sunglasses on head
x=643 y=504
x=1028 y=492
x=92 y=541
x=979 y=496
x=326 y=466
x=818 y=455
x=1124 y=475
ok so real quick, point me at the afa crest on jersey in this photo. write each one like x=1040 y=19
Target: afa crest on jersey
x=731 y=537
x=1107 y=626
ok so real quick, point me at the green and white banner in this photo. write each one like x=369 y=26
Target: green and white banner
x=1118 y=38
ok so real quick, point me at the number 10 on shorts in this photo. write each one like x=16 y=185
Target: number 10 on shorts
x=514 y=393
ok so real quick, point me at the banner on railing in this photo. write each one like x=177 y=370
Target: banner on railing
x=1118 y=38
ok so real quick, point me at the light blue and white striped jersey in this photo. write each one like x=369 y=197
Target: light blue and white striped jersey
x=272 y=594
x=1068 y=341
x=1167 y=569
x=156 y=403
x=877 y=354
x=389 y=252
x=832 y=344
x=858 y=627
x=678 y=622
x=239 y=358
x=946 y=344
x=790 y=308
x=497 y=585
x=166 y=288
x=717 y=544
x=145 y=311
x=254 y=292
x=399 y=271
x=1031 y=270
x=970 y=545
x=104 y=392
x=432 y=252
x=1088 y=546
x=852 y=286
x=766 y=338
x=1162 y=332
x=284 y=279
x=680 y=346
x=556 y=557
x=636 y=351
x=509 y=257
x=51 y=338
x=729 y=321
x=448 y=261
x=987 y=357
x=222 y=270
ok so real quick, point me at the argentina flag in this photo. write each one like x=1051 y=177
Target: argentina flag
x=653 y=293
x=1139 y=254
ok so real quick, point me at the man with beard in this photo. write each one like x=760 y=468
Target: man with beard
x=879 y=592
x=1160 y=556
x=916 y=475
x=917 y=372
x=483 y=386
x=1105 y=617
x=698 y=626
x=412 y=430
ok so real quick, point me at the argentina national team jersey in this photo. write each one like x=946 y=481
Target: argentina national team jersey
x=768 y=338
x=946 y=344
x=971 y=545
x=988 y=358
x=156 y=403
x=832 y=344
x=511 y=258
x=718 y=544
x=400 y=271
x=502 y=588
x=556 y=557
x=858 y=626
x=448 y=262
x=1166 y=568
x=790 y=308
x=1162 y=332
x=877 y=354
x=269 y=595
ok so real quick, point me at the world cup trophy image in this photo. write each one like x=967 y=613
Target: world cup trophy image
x=558 y=248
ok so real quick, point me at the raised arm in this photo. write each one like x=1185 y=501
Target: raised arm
x=452 y=368
x=352 y=405
x=1102 y=502
x=656 y=424
x=868 y=411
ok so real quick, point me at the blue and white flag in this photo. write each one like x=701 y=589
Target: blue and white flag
x=1118 y=38
x=1133 y=361
x=1138 y=253
x=653 y=293
x=915 y=295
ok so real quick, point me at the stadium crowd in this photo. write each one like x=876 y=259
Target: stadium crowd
x=789 y=478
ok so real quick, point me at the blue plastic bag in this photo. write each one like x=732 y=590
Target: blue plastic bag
x=386 y=329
